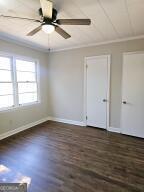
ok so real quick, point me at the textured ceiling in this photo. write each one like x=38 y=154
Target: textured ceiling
x=111 y=20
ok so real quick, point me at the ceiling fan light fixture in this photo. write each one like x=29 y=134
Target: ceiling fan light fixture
x=47 y=28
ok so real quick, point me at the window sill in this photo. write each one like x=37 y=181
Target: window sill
x=9 y=109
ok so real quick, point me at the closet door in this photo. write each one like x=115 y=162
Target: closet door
x=132 y=115
x=97 y=91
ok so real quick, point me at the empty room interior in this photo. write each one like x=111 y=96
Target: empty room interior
x=71 y=96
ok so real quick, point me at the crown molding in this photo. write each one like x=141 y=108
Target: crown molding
x=23 y=43
x=98 y=44
x=37 y=47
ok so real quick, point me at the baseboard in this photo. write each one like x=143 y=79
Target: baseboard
x=30 y=125
x=80 y=123
x=113 y=129
x=17 y=130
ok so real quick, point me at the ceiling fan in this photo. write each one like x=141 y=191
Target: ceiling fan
x=49 y=21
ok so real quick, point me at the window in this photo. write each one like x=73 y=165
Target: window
x=18 y=82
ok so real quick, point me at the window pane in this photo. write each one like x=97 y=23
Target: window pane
x=25 y=65
x=4 y=63
x=6 y=101
x=5 y=76
x=25 y=76
x=27 y=98
x=27 y=87
x=6 y=89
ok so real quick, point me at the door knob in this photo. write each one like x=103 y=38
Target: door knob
x=104 y=100
x=124 y=102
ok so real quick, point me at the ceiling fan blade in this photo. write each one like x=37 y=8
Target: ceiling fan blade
x=23 y=18
x=33 y=32
x=47 y=8
x=61 y=32
x=73 y=21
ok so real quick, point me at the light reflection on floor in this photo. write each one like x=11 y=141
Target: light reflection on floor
x=9 y=176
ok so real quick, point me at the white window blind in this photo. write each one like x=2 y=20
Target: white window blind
x=27 y=81
x=6 y=84
x=18 y=82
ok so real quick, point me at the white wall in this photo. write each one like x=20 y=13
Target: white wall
x=13 y=119
x=66 y=79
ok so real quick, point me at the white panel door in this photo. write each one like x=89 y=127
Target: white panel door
x=97 y=91
x=132 y=117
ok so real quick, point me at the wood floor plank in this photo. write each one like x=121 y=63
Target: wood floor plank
x=57 y=157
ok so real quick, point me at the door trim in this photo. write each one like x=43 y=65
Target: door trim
x=108 y=91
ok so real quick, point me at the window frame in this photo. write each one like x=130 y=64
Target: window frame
x=13 y=59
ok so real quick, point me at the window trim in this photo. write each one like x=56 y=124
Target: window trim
x=13 y=58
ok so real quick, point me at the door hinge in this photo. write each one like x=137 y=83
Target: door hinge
x=86 y=66
x=86 y=117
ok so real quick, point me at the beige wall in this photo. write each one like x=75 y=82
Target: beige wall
x=10 y=120
x=66 y=79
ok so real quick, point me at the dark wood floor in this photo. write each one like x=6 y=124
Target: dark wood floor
x=56 y=157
